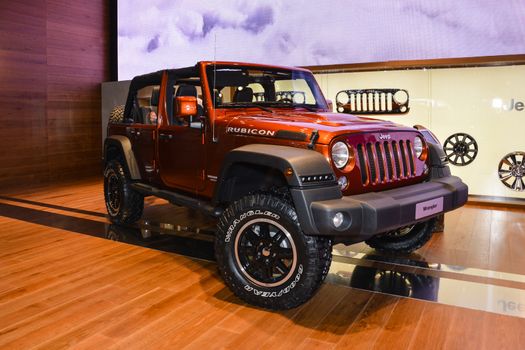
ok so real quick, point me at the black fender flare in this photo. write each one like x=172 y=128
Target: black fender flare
x=123 y=144
x=304 y=164
x=438 y=161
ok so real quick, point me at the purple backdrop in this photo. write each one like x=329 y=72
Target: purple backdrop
x=167 y=34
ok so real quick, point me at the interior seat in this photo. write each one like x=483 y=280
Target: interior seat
x=244 y=95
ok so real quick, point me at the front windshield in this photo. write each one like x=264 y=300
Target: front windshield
x=238 y=87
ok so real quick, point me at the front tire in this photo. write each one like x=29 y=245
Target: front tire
x=124 y=205
x=405 y=239
x=265 y=258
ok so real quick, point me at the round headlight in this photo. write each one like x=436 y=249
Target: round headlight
x=340 y=154
x=418 y=146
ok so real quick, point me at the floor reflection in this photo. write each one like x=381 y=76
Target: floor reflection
x=383 y=279
x=182 y=231
x=195 y=243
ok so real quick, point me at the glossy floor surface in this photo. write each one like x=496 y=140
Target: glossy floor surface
x=155 y=285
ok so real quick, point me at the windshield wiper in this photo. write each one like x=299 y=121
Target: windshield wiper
x=293 y=105
x=249 y=104
x=311 y=109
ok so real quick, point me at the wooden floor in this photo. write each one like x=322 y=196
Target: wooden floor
x=60 y=288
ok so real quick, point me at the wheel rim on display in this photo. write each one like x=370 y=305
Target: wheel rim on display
x=113 y=192
x=265 y=252
x=461 y=149
x=511 y=171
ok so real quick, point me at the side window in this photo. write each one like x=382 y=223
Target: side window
x=145 y=106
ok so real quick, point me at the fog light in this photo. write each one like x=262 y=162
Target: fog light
x=343 y=182
x=338 y=219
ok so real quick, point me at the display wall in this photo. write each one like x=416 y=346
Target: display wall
x=170 y=34
x=53 y=57
x=486 y=103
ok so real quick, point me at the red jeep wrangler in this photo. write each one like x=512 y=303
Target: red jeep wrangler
x=258 y=148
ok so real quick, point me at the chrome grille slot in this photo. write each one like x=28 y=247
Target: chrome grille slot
x=388 y=156
x=380 y=161
x=396 y=159
x=362 y=164
x=371 y=163
x=411 y=157
x=406 y=172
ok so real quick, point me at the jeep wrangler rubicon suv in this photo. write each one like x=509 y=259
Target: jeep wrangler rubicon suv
x=258 y=148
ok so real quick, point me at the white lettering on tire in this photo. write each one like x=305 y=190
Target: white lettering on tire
x=279 y=293
x=245 y=215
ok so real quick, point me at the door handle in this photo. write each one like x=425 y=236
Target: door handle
x=165 y=136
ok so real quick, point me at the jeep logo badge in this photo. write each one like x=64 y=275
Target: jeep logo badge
x=385 y=136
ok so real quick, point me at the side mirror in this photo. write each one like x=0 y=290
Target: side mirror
x=186 y=106
x=330 y=104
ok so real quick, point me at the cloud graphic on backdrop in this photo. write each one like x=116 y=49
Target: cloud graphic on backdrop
x=168 y=34
x=255 y=22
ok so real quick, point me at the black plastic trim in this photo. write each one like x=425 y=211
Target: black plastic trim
x=372 y=213
x=178 y=199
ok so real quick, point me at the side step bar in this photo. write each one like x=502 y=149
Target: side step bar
x=177 y=199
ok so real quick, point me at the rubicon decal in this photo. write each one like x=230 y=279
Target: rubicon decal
x=249 y=131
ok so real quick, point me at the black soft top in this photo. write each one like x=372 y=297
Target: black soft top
x=155 y=78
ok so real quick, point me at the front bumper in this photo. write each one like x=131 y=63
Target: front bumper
x=368 y=214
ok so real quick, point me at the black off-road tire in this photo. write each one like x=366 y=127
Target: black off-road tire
x=408 y=242
x=124 y=205
x=250 y=233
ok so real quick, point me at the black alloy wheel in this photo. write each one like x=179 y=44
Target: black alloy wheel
x=124 y=205
x=266 y=252
x=511 y=171
x=461 y=149
x=113 y=192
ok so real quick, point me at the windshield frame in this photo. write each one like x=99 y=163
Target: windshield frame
x=320 y=105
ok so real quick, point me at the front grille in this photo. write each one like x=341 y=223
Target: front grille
x=388 y=161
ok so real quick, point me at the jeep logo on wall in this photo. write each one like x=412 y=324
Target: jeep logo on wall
x=373 y=101
x=513 y=105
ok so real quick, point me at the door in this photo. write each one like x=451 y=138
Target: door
x=142 y=132
x=181 y=145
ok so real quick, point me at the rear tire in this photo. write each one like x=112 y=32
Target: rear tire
x=265 y=258
x=124 y=205
x=404 y=240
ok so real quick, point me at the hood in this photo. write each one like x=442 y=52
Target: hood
x=329 y=125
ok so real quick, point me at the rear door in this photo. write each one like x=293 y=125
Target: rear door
x=142 y=133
